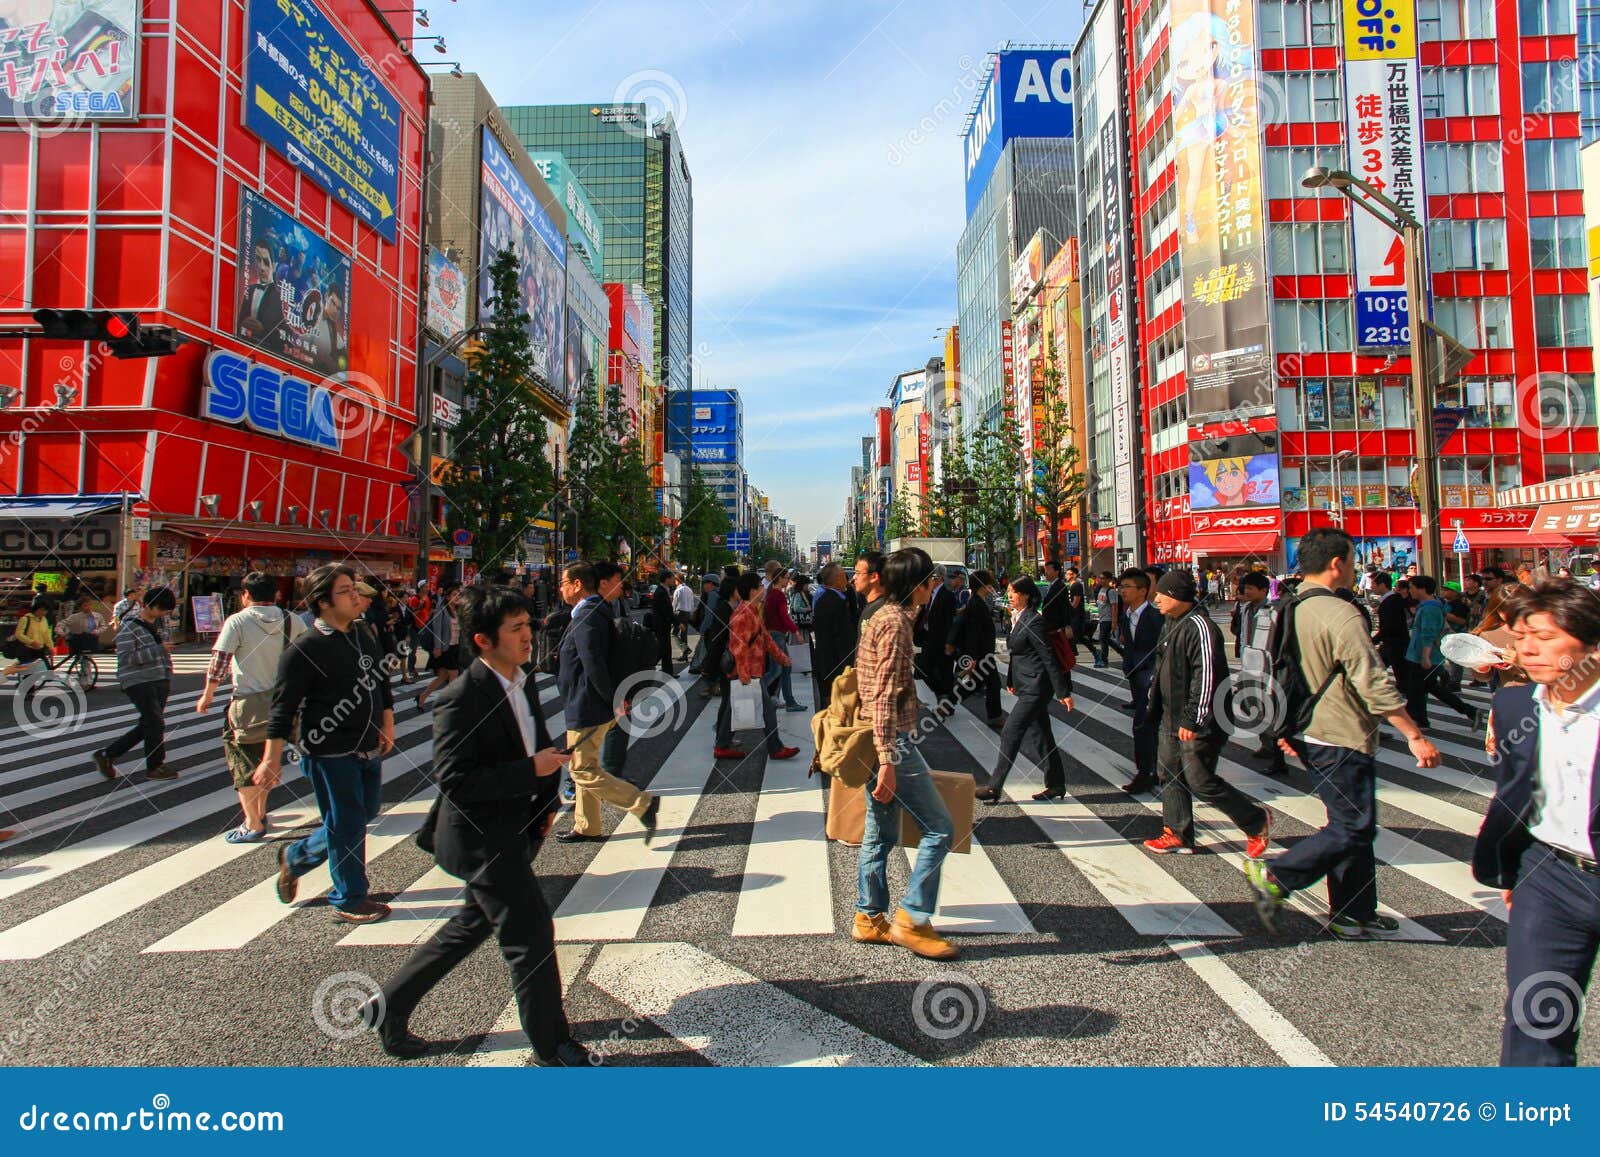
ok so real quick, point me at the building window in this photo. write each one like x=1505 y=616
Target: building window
x=1557 y=242
x=1552 y=165
x=1561 y=319
x=1476 y=322
x=1310 y=96
x=1455 y=19
x=1473 y=90
x=1306 y=250
x=1546 y=17
x=1296 y=23
x=1311 y=327
x=1285 y=167
x=1550 y=86
x=1467 y=244
x=1454 y=169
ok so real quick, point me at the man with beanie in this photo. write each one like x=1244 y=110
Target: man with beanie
x=1190 y=665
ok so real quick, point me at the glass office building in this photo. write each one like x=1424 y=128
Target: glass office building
x=636 y=174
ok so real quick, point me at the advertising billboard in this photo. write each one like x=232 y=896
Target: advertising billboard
x=1216 y=117
x=1028 y=93
x=447 y=296
x=1028 y=269
x=512 y=218
x=585 y=355
x=584 y=228
x=1220 y=483
x=1383 y=122
x=296 y=299
x=65 y=59
x=313 y=97
x=714 y=429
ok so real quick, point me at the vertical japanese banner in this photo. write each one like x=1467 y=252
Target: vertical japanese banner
x=1007 y=366
x=1217 y=122
x=1384 y=127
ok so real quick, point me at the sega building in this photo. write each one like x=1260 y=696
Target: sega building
x=1273 y=377
x=250 y=174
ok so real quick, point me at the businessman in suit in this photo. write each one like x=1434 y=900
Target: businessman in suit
x=1541 y=835
x=496 y=771
x=833 y=631
x=589 y=694
x=1139 y=630
x=937 y=665
x=261 y=308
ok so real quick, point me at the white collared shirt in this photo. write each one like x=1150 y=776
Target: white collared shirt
x=1133 y=616
x=1561 y=791
x=519 y=706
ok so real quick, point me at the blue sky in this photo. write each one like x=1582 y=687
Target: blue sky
x=825 y=144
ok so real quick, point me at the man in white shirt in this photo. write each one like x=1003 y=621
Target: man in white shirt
x=248 y=649
x=683 y=603
x=1539 y=839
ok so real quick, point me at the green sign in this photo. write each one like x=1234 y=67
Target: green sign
x=584 y=228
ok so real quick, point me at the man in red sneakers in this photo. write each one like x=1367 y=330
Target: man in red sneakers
x=1191 y=664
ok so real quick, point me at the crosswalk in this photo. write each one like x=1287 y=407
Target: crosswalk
x=91 y=859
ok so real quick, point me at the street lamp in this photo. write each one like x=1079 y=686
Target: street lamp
x=1339 y=460
x=1410 y=231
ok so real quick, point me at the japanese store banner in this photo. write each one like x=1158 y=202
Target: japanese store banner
x=1383 y=123
x=69 y=60
x=1216 y=115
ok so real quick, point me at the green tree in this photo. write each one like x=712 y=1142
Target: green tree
x=612 y=497
x=866 y=539
x=704 y=520
x=587 y=463
x=500 y=479
x=903 y=520
x=948 y=507
x=997 y=491
x=1058 y=481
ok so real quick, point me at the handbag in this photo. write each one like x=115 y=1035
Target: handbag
x=1066 y=653
x=744 y=701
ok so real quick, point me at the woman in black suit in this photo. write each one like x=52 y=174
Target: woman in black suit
x=971 y=641
x=1036 y=675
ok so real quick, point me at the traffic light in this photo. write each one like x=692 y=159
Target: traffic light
x=121 y=332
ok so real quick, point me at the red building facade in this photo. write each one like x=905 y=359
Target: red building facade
x=1503 y=202
x=622 y=352
x=145 y=215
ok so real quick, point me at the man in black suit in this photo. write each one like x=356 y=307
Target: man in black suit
x=1541 y=835
x=1140 y=631
x=261 y=307
x=1394 y=629
x=833 y=631
x=1056 y=606
x=661 y=611
x=937 y=665
x=496 y=771
x=588 y=692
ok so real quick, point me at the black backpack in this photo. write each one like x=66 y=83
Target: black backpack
x=633 y=649
x=1299 y=701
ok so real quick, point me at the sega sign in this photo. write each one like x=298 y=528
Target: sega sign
x=239 y=390
x=1028 y=94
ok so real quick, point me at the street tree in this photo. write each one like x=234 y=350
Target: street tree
x=997 y=490
x=703 y=527
x=1058 y=479
x=903 y=519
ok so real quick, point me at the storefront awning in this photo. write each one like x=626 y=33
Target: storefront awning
x=224 y=537
x=1571 y=489
x=1506 y=537
x=74 y=507
x=1242 y=542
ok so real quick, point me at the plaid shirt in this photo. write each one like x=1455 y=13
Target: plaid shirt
x=884 y=676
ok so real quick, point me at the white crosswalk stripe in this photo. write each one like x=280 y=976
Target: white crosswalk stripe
x=788 y=854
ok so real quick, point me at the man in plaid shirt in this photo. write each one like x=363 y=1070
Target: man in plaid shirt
x=889 y=700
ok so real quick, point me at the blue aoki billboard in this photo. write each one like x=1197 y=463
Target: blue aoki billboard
x=1028 y=94
x=311 y=96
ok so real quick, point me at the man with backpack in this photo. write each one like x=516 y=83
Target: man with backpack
x=1254 y=616
x=588 y=688
x=1336 y=693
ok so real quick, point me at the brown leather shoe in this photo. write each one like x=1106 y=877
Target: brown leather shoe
x=919 y=938
x=871 y=929
x=288 y=882
x=366 y=912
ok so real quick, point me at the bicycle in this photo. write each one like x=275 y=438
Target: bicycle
x=77 y=669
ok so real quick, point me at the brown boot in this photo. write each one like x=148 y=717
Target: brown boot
x=871 y=929
x=919 y=938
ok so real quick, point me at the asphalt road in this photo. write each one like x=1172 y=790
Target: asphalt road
x=131 y=934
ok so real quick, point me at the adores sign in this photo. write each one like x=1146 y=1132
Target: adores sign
x=244 y=392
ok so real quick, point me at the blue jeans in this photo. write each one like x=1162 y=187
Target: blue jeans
x=1346 y=780
x=914 y=790
x=349 y=793
x=1550 y=951
x=785 y=675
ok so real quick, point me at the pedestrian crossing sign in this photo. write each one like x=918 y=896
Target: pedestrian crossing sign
x=1461 y=545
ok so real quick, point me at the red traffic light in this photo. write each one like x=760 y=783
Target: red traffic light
x=116 y=327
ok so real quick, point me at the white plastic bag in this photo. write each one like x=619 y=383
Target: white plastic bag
x=744 y=700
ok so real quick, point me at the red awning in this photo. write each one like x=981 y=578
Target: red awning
x=1244 y=542
x=237 y=536
x=1508 y=537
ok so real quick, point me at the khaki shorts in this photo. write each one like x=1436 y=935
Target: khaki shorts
x=245 y=717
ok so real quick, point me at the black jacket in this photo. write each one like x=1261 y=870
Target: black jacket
x=1394 y=632
x=1191 y=664
x=833 y=633
x=335 y=686
x=1139 y=649
x=937 y=617
x=490 y=799
x=972 y=632
x=1056 y=607
x=1034 y=668
x=716 y=637
x=586 y=685
x=661 y=609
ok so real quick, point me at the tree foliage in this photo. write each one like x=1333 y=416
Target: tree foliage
x=997 y=493
x=704 y=520
x=611 y=495
x=1058 y=480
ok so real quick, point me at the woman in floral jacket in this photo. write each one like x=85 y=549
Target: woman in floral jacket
x=750 y=644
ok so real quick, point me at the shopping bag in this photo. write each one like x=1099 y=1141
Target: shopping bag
x=847 y=813
x=744 y=699
x=957 y=791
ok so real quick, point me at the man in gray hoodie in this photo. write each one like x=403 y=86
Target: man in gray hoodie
x=144 y=672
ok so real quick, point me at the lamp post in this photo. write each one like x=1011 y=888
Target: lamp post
x=1430 y=550
x=1339 y=460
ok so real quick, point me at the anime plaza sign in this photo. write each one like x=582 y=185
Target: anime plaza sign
x=242 y=392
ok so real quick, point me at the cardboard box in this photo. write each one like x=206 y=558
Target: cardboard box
x=847 y=812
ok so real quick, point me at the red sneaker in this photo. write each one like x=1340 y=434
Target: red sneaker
x=1168 y=843
x=727 y=753
x=1256 y=846
x=785 y=753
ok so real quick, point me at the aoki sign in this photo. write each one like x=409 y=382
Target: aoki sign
x=241 y=391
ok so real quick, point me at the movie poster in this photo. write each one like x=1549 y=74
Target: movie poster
x=512 y=218
x=296 y=297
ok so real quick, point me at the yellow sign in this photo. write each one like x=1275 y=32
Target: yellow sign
x=312 y=143
x=1380 y=29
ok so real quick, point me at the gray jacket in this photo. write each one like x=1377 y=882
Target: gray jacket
x=141 y=658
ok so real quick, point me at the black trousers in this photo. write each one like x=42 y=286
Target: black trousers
x=504 y=901
x=939 y=671
x=664 y=645
x=1550 y=952
x=1419 y=682
x=150 y=700
x=982 y=675
x=1144 y=735
x=1188 y=771
x=1030 y=720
